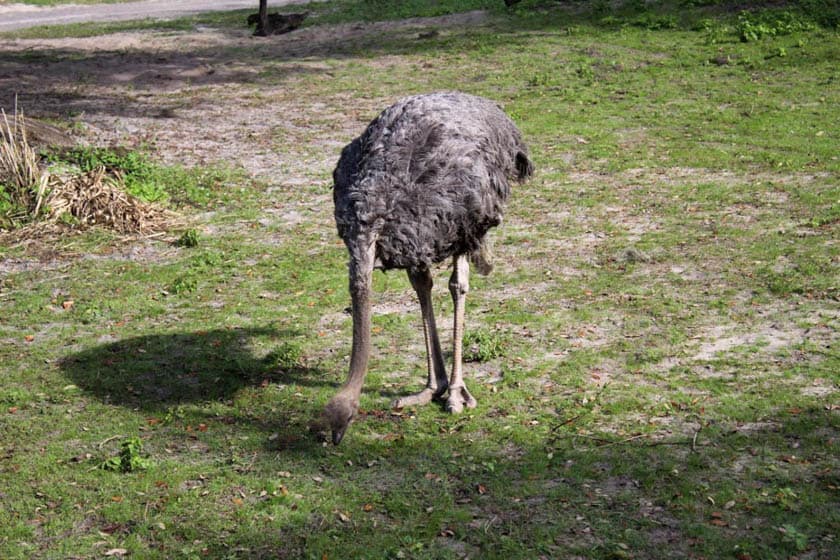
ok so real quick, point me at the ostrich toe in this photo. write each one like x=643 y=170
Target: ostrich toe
x=425 y=396
x=459 y=398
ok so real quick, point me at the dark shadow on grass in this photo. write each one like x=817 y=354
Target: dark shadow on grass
x=501 y=498
x=154 y=372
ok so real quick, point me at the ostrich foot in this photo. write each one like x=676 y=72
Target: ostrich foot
x=459 y=397
x=423 y=397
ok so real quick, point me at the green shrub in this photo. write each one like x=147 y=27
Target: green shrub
x=129 y=459
x=482 y=345
x=286 y=357
x=753 y=26
x=188 y=239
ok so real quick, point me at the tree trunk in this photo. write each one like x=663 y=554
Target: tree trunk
x=262 y=24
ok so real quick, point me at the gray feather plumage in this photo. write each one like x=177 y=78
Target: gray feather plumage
x=427 y=179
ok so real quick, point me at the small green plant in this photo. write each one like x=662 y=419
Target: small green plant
x=13 y=396
x=285 y=358
x=653 y=22
x=792 y=535
x=787 y=498
x=129 y=459
x=183 y=285
x=754 y=26
x=188 y=239
x=540 y=79
x=586 y=73
x=482 y=345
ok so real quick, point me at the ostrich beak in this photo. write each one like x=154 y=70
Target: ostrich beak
x=338 y=434
x=339 y=415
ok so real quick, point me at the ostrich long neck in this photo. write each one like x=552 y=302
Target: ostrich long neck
x=361 y=269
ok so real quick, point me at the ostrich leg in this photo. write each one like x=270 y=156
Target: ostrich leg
x=343 y=406
x=459 y=285
x=437 y=382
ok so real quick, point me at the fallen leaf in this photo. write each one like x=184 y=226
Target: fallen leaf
x=116 y=552
x=238 y=502
x=111 y=528
x=482 y=489
x=13 y=409
x=367 y=507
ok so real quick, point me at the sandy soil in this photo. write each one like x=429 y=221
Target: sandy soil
x=199 y=97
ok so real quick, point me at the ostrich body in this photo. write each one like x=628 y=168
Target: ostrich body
x=425 y=182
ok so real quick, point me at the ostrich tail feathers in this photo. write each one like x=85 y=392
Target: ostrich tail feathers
x=524 y=166
x=482 y=258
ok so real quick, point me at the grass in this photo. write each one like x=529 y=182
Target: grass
x=656 y=350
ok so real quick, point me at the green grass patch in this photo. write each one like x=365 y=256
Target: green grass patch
x=655 y=352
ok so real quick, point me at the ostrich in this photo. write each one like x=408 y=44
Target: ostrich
x=425 y=182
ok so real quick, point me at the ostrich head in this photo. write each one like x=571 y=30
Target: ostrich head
x=339 y=413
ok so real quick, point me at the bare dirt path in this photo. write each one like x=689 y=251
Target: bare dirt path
x=20 y=16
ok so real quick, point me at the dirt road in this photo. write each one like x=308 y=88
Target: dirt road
x=20 y=16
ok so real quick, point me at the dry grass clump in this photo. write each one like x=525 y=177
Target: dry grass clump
x=23 y=181
x=46 y=202
x=95 y=198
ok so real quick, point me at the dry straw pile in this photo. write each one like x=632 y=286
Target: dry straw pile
x=46 y=202
x=25 y=183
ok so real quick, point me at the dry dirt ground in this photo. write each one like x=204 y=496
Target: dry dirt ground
x=204 y=96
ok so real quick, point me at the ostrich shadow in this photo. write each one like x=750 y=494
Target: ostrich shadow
x=156 y=372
